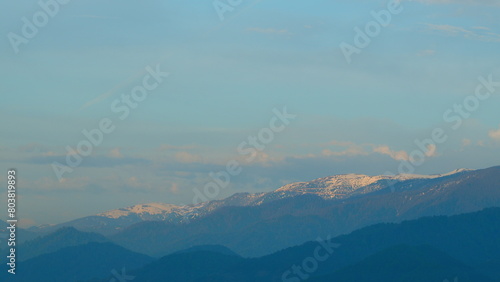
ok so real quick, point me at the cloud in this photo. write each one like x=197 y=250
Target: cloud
x=25 y=222
x=465 y=143
x=32 y=148
x=351 y=149
x=185 y=157
x=95 y=17
x=134 y=182
x=467 y=2
x=397 y=155
x=114 y=89
x=450 y=29
x=52 y=184
x=431 y=151
x=306 y=168
x=167 y=147
x=480 y=27
x=427 y=52
x=268 y=30
x=482 y=34
x=115 y=153
x=90 y=161
x=174 y=188
x=495 y=134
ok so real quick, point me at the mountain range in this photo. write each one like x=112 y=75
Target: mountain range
x=442 y=225
x=262 y=223
x=427 y=249
x=465 y=246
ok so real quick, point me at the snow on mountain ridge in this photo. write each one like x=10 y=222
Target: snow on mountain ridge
x=346 y=180
x=331 y=187
x=346 y=185
x=148 y=209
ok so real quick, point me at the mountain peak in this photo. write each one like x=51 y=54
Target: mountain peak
x=337 y=186
x=151 y=209
x=331 y=187
x=346 y=185
x=457 y=171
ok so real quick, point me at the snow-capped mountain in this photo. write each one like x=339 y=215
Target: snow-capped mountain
x=151 y=211
x=332 y=187
x=337 y=187
x=323 y=207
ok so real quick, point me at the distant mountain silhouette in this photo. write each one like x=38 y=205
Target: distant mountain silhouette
x=22 y=234
x=467 y=246
x=406 y=263
x=191 y=266
x=262 y=228
x=209 y=248
x=64 y=237
x=336 y=187
x=78 y=263
x=265 y=228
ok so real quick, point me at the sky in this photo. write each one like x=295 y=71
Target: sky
x=177 y=91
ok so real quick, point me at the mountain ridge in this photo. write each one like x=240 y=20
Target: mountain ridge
x=335 y=187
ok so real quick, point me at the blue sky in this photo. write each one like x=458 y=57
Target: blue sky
x=225 y=78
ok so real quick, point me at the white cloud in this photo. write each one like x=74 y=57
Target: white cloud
x=431 y=151
x=468 y=2
x=351 y=149
x=51 y=184
x=403 y=155
x=428 y=52
x=25 y=222
x=495 y=134
x=465 y=143
x=268 y=30
x=480 y=28
x=397 y=155
x=174 y=188
x=115 y=153
x=167 y=147
x=185 y=157
x=482 y=34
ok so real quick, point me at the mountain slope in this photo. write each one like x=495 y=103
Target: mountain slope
x=336 y=187
x=22 y=234
x=191 y=266
x=79 y=263
x=261 y=229
x=406 y=263
x=428 y=248
x=219 y=249
x=64 y=237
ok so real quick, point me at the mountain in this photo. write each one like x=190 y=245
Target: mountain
x=264 y=227
x=406 y=263
x=246 y=230
x=209 y=248
x=22 y=234
x=78 y=263
x=191 y=266
x=113 y=221
x=465 y=246
x=490 y=268
x=64 y=237
x=336 y=187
